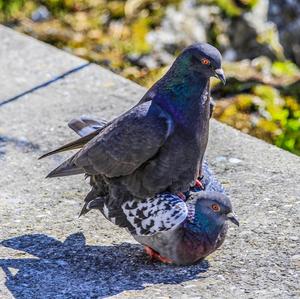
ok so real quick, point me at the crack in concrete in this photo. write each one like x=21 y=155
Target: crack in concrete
x=55 y=79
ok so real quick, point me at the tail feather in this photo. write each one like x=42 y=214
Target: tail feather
x=90 y=196
x=91 y=201
x=65 y=169
x=85 y=125
x=79 y=143
x=87 y=128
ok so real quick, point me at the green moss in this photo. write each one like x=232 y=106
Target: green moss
x=140 y=29
x=229 y=7
x=232 y=8
x=116 y=9
x=285 y=68
x=10 y=10
x=270 y=38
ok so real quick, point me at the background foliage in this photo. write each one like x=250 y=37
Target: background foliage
x=139 y=39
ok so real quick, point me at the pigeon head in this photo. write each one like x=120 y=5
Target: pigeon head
x=212 y=209
x=203 y=60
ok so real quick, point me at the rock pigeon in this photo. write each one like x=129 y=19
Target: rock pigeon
x=172 y=230
x=199 y=231
x=135 y=152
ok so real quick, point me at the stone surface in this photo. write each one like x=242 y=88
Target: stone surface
x=47 y=252
x=26 y=63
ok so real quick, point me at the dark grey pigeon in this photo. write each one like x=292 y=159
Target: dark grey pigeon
x=135 y=152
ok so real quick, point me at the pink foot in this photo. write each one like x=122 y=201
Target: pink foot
x=199 y=184
x=156 y=256
x=181 y=195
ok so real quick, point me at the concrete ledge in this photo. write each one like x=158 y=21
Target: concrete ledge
x=47 y=252
x=26 y=63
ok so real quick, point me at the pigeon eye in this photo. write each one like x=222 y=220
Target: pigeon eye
x=215 y=207
x=205 y=61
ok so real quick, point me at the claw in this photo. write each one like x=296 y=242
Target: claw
x=181 y=195
x=162 y=259
x=199 y=184
x=156 y=256
x=149 y=251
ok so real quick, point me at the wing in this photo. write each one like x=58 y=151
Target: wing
x=123 y=146
x=88 y=128
x=145 y=217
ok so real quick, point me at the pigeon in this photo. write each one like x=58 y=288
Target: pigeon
x=135 y=152
x=199 y=230
x=173 y=230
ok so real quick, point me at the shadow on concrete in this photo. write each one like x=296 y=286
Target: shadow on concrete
x=72 y=269
x=20 y=143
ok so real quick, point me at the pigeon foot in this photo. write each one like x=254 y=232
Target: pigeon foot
x=198 y=184
x=181 y=195
x=156 y=256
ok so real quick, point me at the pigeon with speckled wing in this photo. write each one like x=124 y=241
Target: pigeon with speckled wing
x=173 y=230
x=202 y=231
x=134 y=153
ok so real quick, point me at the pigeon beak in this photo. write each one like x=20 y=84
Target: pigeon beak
x=233 y=218
x=219 y=73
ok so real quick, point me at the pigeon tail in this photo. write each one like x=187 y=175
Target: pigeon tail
x=65 y=169
x=91 y=196
x=87 y=128
x=79 y=143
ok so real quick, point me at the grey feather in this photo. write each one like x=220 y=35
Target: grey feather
x=67 y=168
x=85 y=125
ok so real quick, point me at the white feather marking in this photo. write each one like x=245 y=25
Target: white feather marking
x=85 y=131
x=105 y=211
x=169 y=122
x=205 y=96
x=146 y=223
x=170 y=126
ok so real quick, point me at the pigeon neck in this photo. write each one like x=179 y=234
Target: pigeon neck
x=203 y=225
x=183 y=94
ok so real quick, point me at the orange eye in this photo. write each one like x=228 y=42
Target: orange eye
x=215 y=207
x=205 y=61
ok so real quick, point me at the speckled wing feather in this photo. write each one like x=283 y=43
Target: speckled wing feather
x=145 y=217
x=123 y=146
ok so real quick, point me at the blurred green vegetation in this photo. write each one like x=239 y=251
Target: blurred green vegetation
x=261 y=97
